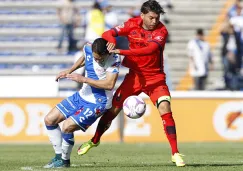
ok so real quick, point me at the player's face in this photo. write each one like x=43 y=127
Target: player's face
x=150 y=20
x=99 y=58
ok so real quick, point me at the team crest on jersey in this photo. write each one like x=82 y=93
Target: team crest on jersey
x=159 y=38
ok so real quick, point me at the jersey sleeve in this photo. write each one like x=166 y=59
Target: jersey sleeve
x=150 y=49
x=123 y=29
x=87 y=49
x=114 y=64
x=160 y=37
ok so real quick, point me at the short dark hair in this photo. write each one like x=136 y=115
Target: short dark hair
x=99 y=46
x=200 y=32
x=152 y=6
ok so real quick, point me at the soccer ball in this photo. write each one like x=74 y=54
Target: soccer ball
x=134 y=107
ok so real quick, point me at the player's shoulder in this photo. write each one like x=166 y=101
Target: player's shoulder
x=207 y=44
x=87 y=48
x=114 y=57
x=161 y=29
x=114 y=60
x=191 y=42
x=135 y=21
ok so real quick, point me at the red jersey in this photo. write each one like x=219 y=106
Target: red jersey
x=144 y=61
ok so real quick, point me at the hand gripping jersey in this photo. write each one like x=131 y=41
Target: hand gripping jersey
x=146 y=65
x=98 y=71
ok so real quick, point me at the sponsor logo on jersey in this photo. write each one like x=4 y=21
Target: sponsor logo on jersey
x=79 y=111
x=118 y=97
x=159 y=38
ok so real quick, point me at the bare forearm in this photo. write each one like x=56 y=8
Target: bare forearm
x=79 y=63
x=102 y=84
x=107 y=84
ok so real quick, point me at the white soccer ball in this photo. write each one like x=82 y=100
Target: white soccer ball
x=134 y=107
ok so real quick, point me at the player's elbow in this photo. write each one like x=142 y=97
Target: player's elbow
x=110 y=87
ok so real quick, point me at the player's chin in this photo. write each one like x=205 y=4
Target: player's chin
x=152 y=27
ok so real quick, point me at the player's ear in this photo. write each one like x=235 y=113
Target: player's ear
x=142 y=15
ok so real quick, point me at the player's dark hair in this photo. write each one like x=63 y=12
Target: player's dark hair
x=99 y=46
x=200 y=32
x=152 y=6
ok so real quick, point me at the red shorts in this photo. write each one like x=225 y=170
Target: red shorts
x=134 y=84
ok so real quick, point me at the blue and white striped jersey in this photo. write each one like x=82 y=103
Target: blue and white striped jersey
x=98 y=71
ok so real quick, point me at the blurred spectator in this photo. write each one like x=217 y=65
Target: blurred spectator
x=237 y=23
x=200 y=60
x=69 y=17
x=233 y=10
x=111 y=21
x=95 y=23
x=111 y=18
x=228 y=53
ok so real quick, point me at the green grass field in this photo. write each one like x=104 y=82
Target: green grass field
x=132 y=157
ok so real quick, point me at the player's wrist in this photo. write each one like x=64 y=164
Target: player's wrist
x=69 y=71
x=85 y=80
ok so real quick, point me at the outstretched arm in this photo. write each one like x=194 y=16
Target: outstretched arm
x=107 y=84
x=79 y=63
x=151 y=48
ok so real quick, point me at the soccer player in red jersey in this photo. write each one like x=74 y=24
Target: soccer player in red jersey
x=147 y=37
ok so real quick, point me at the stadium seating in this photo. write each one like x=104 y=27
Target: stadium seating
x=29 y=33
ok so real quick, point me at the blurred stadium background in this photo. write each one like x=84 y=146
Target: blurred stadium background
x=209 y=122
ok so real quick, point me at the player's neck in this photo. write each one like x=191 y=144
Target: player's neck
x=145 y=28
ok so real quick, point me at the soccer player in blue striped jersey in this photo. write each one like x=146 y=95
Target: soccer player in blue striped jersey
x=81 y=110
